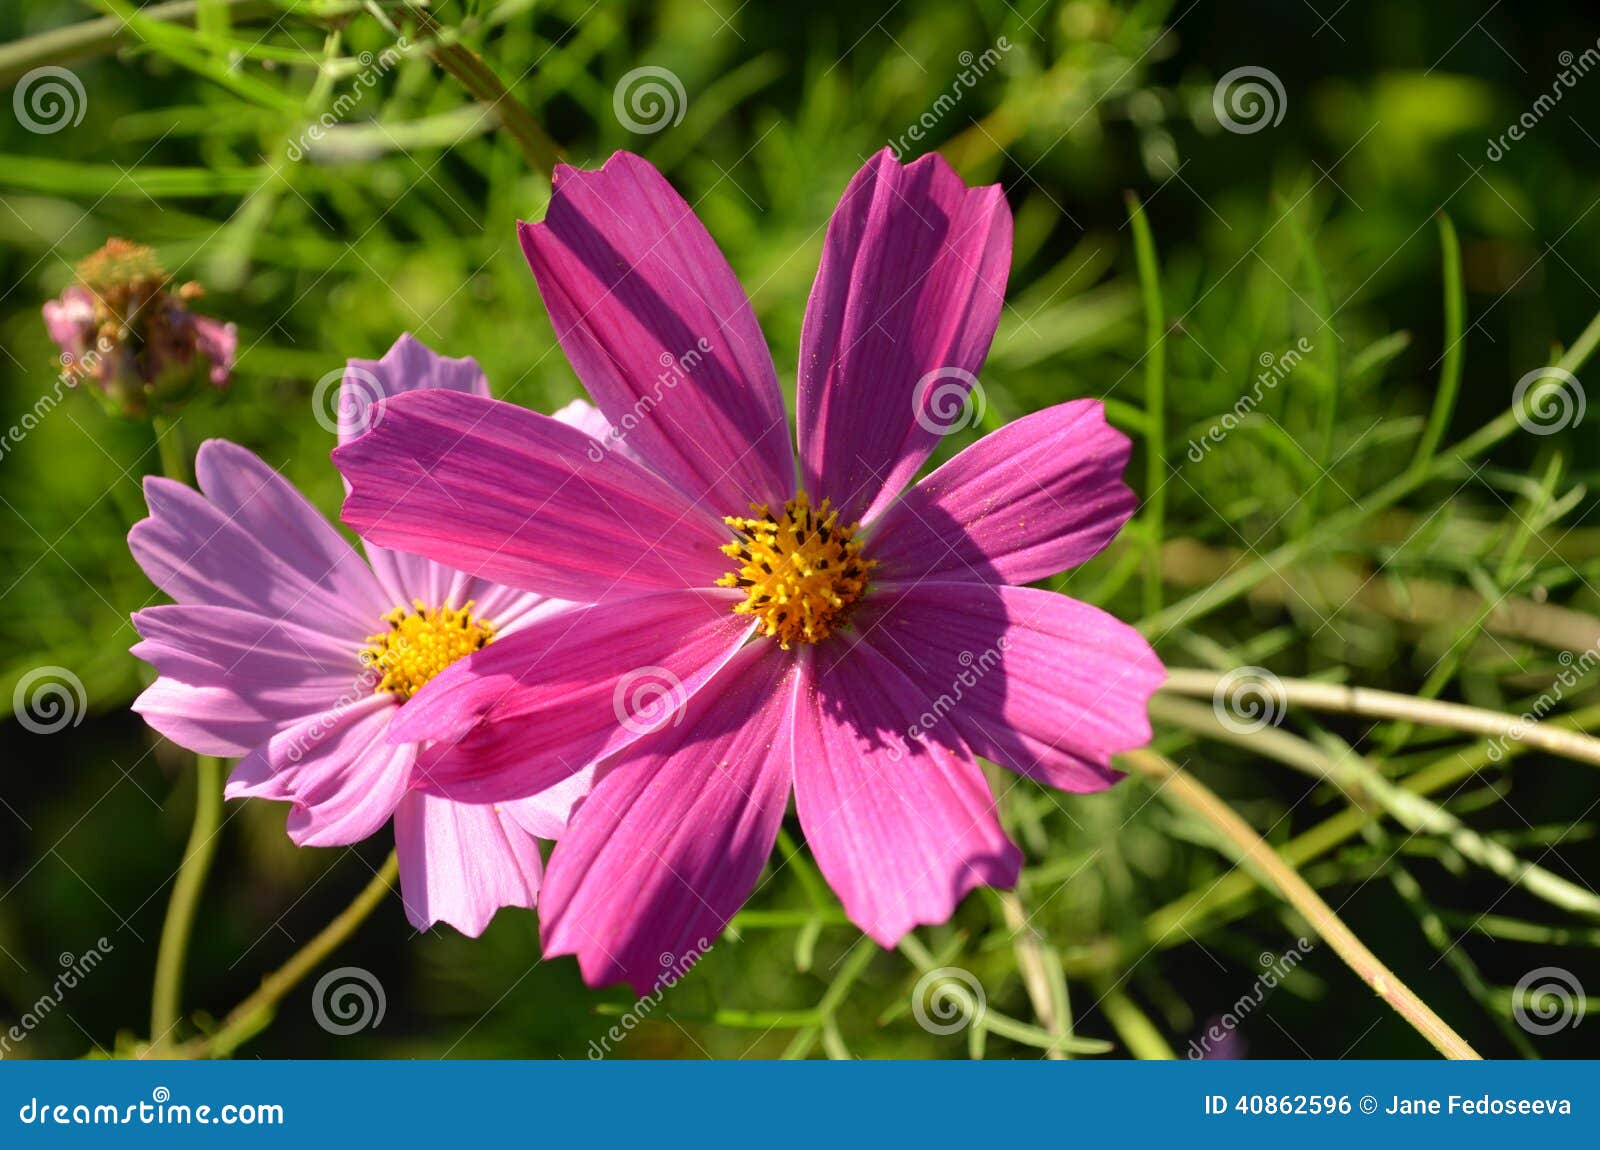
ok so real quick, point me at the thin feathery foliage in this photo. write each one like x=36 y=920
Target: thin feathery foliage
x=1313 y=332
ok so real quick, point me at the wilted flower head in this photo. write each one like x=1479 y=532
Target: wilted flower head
x=127 y=327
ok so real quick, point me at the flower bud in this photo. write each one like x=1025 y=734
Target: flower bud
x=127 y=328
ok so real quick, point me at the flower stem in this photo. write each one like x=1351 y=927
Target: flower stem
x=861 y=953
x=87 y=39
x=248 y=1018
x=1223 y=901
x=1032 y=967
x=1140 y=1035
x=1198 y=799
x=1374 y=704
x=169 y=448
x=1155 y=374
x=185 y=901
x=1444 y=402
x=167 y=996
x=1365 y=786
x=1038 y=963
x=483 y=85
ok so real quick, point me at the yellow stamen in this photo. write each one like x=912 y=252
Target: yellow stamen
x=801 y=571
x=422 y=642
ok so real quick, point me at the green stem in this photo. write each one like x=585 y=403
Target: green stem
x=1172 y=923
x=90 y=38
x=185 y=901
x=1370 y=703
x=1035 y=959
x=860 y=956
x=1364 y=785
x=1183 y=790
x=1444 y=401
x=1155 y=374
x=167 y=995
x=484 y=86
x=1133 y=1026
x=250 y=1016
x=169 y=448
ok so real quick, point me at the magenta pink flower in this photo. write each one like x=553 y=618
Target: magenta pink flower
x=743 y=634
x=285 y=647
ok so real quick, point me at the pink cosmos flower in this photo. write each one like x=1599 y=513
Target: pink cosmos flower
x=746 y=632
x=285 y=647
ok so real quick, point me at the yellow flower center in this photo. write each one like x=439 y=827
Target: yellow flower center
x=800 y=571
x=422 y=642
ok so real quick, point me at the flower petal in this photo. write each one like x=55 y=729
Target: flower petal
x=536 y=706
x=218 y=342
x=230 y=679
x=205 y=720
x=1040 y=683
x=660 y=332
x=70 y=322
x=906 y=300
x=588 y=418
x=411 y=577
x=460 y=862
x=518 y=498
x=1040 y=495
x=253 y=542
x=343 y=776
x=901 y=832
x=410 y=365
x=673 y=837
x=545 y=815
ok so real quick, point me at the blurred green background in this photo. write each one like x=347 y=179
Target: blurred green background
x=1319 y=222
